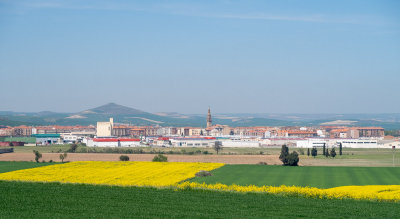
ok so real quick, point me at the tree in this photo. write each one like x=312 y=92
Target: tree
x=38 y=155
x=201 y=132
x=160 y=158
x=287 y=159
x=323 y=149
x=73 y=148
x=333 y=152
x=327 y=153
x=123 y=158
x=293 y=159
x=284 y=154
x=63 y=156
x=308 y=151
x=314 y=152
x=218 y=146
x=231 y=132
x=340 y=149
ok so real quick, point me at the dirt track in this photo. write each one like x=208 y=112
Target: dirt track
x=228 y=159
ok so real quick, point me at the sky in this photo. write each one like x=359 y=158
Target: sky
x=184 y=56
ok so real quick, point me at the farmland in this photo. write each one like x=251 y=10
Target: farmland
x=350 y=157
x=320 y=177
x=6 y=166
x=53 y=200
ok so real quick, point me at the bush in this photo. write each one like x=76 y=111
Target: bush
x=63 y=156
x=287 y=159
x=124 y=158
x=73 y=148
x=333 y=153
x=301 y=151
x=160 y=158
x=293 y=159
x=205 y=152
x=262 y=163
x=314 y=152
x=203 y=173
x=50 y=161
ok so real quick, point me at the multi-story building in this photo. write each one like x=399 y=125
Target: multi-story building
x=105 y=129
x=366 y=132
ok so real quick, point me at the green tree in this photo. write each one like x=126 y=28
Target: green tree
x=327 y=153
x=73 y=148
x=284 y=154
x=38 y=155
x=160 y=158
x=323 y=149
x=293 y=159
x=63 y=156
x=123 y=158
x=308 y=151
x=314 y=152
x=333 y=153
x=340 y=149
x=218 y=146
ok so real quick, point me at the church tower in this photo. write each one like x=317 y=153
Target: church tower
x=209 y=120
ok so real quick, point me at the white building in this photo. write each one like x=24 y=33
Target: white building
x=193 y=142
x=113 y=142
x=346 y=143
x=104 y=129
x=240 y=144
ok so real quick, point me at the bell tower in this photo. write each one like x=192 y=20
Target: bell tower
x=209 y=120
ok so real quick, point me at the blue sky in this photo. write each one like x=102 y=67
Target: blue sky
x=183 y=56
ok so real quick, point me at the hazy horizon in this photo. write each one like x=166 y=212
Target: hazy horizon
x=308 y=57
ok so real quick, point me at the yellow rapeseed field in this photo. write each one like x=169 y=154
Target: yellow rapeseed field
x=157 y=174
x=172 y=174
x=373 y=192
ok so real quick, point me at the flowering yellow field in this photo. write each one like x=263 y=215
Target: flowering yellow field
x=160 y=174
x=113 y=173
x=374 y=192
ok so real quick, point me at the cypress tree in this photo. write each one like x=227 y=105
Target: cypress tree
x=323 y=149
x=340 y=149
x=308 y=151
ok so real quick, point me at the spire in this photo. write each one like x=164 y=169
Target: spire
x=209 y=120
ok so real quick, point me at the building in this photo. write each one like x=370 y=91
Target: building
x=346 y=143
x=113 y=142
x=121 y=130
x=193 y=142
x=366 y=132
x=21 y=131
x=46 y=139
x=105 y=129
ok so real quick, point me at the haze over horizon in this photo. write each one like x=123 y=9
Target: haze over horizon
x=183 y=56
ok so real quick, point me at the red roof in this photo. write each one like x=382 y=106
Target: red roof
x=114 y=139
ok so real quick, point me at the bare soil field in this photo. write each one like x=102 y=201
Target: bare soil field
x=228 y=159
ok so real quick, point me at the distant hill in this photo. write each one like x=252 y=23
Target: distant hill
x=114 y=109
x=128 y=115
